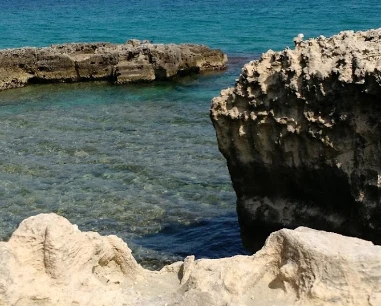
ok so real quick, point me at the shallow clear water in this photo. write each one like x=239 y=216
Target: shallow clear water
x=140 y=161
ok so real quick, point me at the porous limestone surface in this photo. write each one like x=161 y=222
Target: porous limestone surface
x=301 y=134
x=49 y=261
x=134 y=61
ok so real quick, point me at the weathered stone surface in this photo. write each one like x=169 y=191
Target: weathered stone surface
x=301 y=134
x=48 y=261
x=134 y=61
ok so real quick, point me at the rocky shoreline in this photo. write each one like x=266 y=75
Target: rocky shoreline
x=48 y=261
x=134 y=61
x=301 y=134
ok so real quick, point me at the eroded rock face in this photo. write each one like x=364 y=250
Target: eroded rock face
x=301 y=134
x=134 y=61
x=48 y=261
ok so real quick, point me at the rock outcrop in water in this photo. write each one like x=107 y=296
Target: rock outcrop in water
x=134 y=61
x=48 y=261
x=301 y=133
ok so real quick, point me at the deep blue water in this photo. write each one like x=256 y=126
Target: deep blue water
x=141 y=161
x=235 y=26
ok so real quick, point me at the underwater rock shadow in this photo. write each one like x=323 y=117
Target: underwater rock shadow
x=216 y=237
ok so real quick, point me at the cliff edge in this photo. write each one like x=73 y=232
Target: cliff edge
x=134 y=61
x=301 y=134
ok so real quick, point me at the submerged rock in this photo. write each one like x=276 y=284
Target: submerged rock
x=48 y=261
x=135 y=61
x=301 y=132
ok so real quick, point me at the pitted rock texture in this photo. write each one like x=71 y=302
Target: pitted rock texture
x=301 y=134
x=48 y=261
x=135 y=61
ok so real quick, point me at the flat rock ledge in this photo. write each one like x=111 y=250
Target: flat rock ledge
x=301 y=132
x=134 y=61
x=49 y=261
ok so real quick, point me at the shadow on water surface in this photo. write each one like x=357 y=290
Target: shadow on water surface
x=208 y=238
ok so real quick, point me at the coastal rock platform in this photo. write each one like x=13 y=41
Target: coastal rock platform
x=134 y=61
x=49 y=261
x=301 y=133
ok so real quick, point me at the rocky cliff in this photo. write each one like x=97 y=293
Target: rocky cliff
x=48 y=261
x=301 y=134
x=131 y=62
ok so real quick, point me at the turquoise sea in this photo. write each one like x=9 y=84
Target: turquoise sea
x=141 y=161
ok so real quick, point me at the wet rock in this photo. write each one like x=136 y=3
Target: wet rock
x=135 y=61
x=301 y=134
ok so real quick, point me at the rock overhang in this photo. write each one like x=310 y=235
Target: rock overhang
x=301 y=134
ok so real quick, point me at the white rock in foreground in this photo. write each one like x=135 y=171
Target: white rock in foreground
x=48 y=261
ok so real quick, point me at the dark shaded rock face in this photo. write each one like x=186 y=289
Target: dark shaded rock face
x=134 y=61
x=301 y=134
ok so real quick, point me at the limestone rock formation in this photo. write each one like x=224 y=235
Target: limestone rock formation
x=133 y=61
x=48 y=261
x=301 y=133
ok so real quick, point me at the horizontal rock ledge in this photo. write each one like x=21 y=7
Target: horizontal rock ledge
x=49 y=261
x=301 y=133
x=134 y=61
